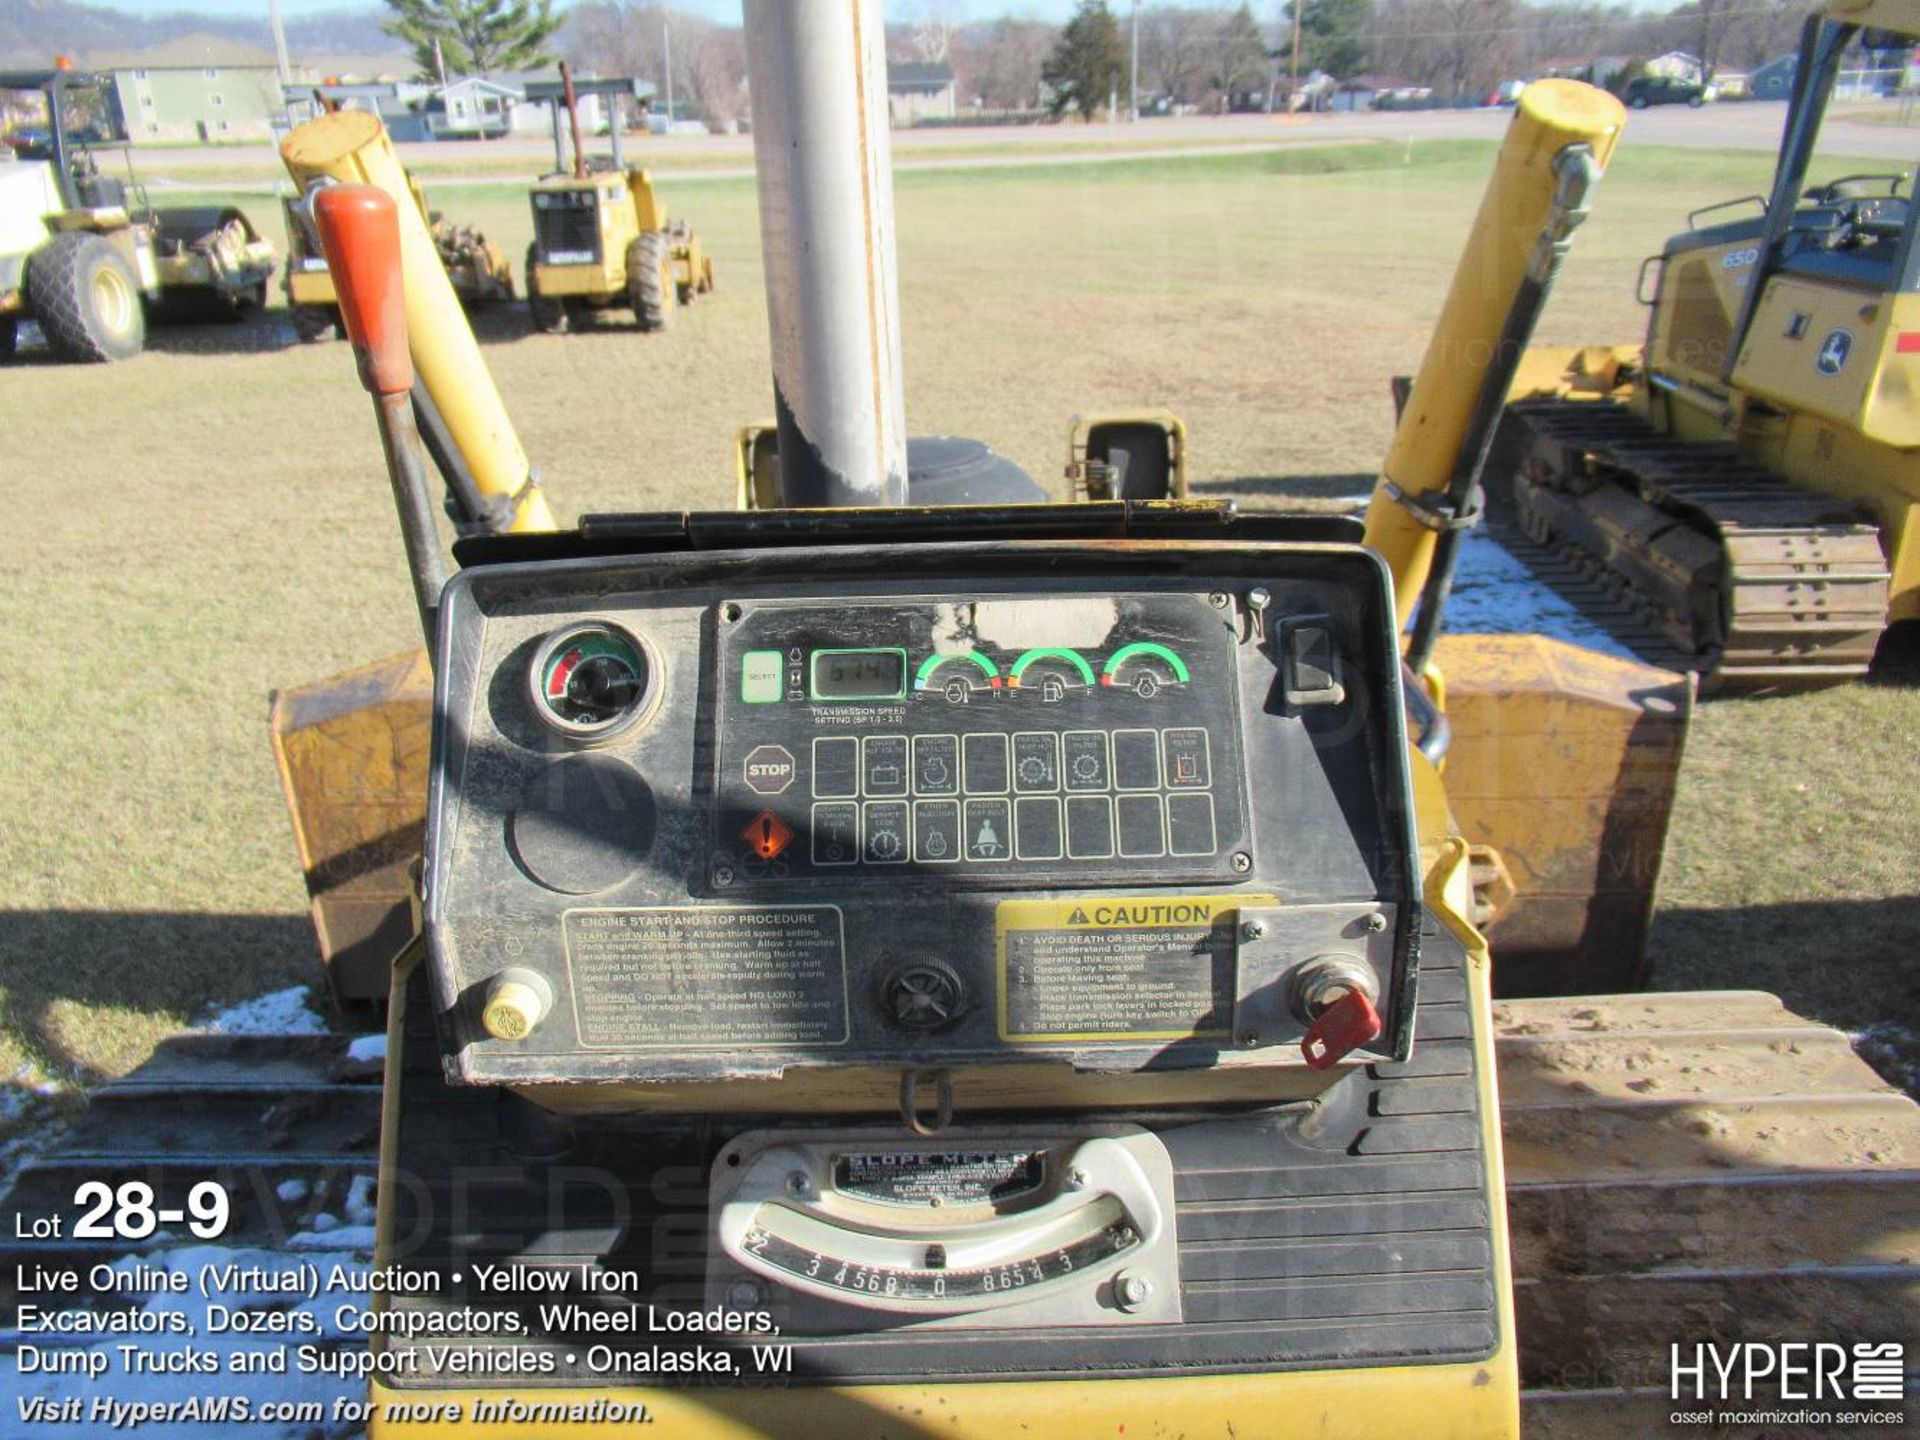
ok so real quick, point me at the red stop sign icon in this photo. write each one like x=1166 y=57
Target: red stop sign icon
x=770 y=769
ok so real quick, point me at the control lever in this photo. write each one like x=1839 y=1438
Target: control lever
x=1343 y=1027
x=360 y=236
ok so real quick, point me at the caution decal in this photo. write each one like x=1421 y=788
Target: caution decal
x=1117 y=969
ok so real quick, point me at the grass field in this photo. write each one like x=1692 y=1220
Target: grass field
x=210 y=522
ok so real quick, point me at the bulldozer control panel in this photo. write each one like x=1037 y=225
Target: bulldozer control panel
x=709 y=817
x=942 y=912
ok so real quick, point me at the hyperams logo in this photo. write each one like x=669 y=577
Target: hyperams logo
x=1796 y=1383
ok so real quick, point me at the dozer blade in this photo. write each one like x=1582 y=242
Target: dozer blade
x=352 y=754
x=1565 y=761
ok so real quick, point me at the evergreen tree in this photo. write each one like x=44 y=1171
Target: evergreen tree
x=1332 y=36
x=476 y=37
x=1088 y=63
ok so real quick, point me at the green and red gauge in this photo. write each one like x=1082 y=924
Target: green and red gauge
x=956 y=676
x=591 y=681
x=1052 y=670
x=1144 y=667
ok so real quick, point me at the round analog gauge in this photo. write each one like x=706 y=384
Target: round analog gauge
x=591 y=681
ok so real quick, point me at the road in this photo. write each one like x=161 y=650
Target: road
x=1753 y=126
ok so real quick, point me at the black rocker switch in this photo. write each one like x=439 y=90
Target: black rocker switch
x=1310 y=663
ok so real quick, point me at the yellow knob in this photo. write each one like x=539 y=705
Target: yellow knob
x=513 y=1009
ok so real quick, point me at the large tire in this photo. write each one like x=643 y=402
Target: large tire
x=86 y=299
x=650 y=286
x=549 y=311
x=312 y=323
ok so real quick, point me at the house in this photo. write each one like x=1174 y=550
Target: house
x=1678 y=65
x=198 y=89
x=917 y=92
x=400 y=104
x=468 y=107
x=1774 y=80
x=1379 y=92
x=479 y=107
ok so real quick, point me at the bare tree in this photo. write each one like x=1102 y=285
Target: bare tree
x=1004 y=61
x=628 y=37
x=1177 y=52
x=1459 y=47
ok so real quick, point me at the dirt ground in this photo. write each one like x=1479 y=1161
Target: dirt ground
x=210 y=522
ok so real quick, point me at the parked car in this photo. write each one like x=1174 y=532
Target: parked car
x=1645 y=90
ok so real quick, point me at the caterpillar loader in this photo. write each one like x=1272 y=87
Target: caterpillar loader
x=601 y=237
x=809 y=1031
x=1740 y=497
x=480 y=273
x=85 y=254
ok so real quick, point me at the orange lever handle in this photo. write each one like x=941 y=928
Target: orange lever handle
x=360 y=233
x=1343 y=1027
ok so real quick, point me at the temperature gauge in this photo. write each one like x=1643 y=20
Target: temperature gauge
x=591 y=681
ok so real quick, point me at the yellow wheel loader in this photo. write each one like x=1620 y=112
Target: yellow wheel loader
x=480 y=271
x=85 y=254
x=601 y=237
x=893 y=970
x=1741 y=496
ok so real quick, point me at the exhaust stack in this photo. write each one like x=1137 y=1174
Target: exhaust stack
x=823 y=158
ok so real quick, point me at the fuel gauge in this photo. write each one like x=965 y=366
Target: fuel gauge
x=591 y=681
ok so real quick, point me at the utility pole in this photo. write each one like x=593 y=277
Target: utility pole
x=1133 y=79
x=666 y=41
x=1293 y=89
x=279 y=41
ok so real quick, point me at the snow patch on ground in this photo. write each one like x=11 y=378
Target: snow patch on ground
x=1495 y=594
x=22 y=1374
x=368 y=1048
x=1894 y=1051
x=280 y=1012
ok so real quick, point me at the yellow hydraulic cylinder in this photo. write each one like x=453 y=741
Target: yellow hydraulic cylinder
x=1551 y=116
x=351 y=146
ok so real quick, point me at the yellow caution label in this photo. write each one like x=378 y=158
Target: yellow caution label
x=1117 y=969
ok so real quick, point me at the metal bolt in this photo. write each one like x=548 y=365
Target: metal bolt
x=1076 y=1179
x=731 y=611
x=723 y=875
x=1253 y=929
x=798 y=1183
x=1375 y=923
x=1259 y=598
x=743 y=1295
x=1131 y=1291
x=1218 y=599
x=1241 y=862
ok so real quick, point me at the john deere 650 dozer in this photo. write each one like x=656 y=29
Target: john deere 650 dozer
x=1078 y=1058
x=1744 y=492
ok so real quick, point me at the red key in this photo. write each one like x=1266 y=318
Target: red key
x=1343 y=1027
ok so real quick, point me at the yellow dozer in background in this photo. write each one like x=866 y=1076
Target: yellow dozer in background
x=480 y=272
x=601 y=236
x=1741 y=496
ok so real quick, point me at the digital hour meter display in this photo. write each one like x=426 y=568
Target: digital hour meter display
x=859 y=674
